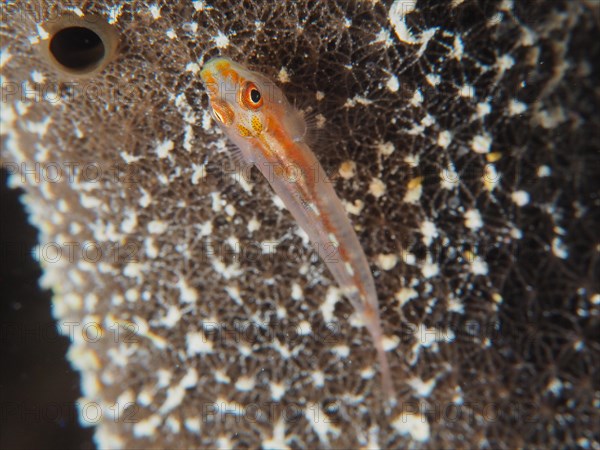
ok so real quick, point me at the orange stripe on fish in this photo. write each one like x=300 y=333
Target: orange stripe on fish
x=253 y=112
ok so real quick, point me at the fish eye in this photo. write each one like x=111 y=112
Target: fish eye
x=251 y=96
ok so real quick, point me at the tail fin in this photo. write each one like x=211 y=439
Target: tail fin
x=384 y=367
x=373 y=324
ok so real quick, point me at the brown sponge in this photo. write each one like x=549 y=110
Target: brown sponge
x=461 y=137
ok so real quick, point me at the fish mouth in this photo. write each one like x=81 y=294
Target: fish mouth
x=211 y=76
x=207 y=73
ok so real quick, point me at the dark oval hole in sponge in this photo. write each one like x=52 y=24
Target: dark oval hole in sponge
x=77 y=48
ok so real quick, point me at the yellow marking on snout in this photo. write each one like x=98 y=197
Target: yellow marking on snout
x=226 y=71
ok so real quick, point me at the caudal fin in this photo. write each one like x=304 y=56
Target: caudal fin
x=384 y=368
x=374 y=327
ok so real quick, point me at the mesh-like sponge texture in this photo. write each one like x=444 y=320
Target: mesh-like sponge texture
x=462 y=136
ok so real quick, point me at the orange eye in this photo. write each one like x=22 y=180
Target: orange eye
x=251 y=96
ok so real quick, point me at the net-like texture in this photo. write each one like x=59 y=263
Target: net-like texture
x=462 y=137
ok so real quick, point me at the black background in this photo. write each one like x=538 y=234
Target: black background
x=38 y=388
